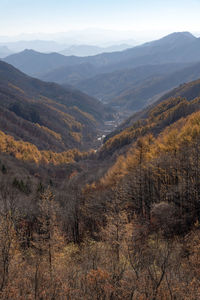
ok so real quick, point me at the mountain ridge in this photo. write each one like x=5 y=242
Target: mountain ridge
x=129 y=57
x=32 y=109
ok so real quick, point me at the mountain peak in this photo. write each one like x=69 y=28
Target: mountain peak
x=175 y=36
x=29 y=51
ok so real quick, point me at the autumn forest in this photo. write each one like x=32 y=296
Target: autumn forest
x=100 y=173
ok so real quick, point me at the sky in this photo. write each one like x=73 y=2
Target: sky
x=51 y=16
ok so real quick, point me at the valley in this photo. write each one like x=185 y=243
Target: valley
x=100 y=172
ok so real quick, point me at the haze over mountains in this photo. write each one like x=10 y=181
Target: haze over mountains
x=62 y=48
x=130 y=78
x=89 y=50
x=80 y=43
x=4 y=51
x=90 y=36
x=38 y=45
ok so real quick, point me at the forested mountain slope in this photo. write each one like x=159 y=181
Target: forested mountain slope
x=189 y=90
x=70 y=74
x=109 y=86
x=168 y=109
x=34 y=63
x=154 y=159
x=45 y=114
x=149 y=90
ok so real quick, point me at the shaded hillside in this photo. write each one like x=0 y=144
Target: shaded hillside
x=189 y=90
x=70 y=74
x=149 y=90
x=109 y=86
x=34 y=63
x=46 y=114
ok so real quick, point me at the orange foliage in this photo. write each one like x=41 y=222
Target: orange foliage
x=28 y=152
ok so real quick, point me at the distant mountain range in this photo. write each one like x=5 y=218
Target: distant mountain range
x=127 y=79
x=62 y=48
x=88 y=50
x=89 y=36
x=35 y=63
x=4 y=51
x=37 y=45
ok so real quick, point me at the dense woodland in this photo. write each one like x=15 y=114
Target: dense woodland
x=118 y=222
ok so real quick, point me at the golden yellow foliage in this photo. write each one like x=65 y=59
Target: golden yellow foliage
x=171 y=140
x=77 y=136
x=28 y=152
x=53 y=133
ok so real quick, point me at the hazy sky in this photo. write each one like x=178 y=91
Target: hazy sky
x=29 y=16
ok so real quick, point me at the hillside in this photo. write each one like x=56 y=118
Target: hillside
x=189 y=90
x=165 y=111
x=149 y=90
x=35 y=63
x=109 y=86
x=133 y=89
x=70 y=74
x=45 y=114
